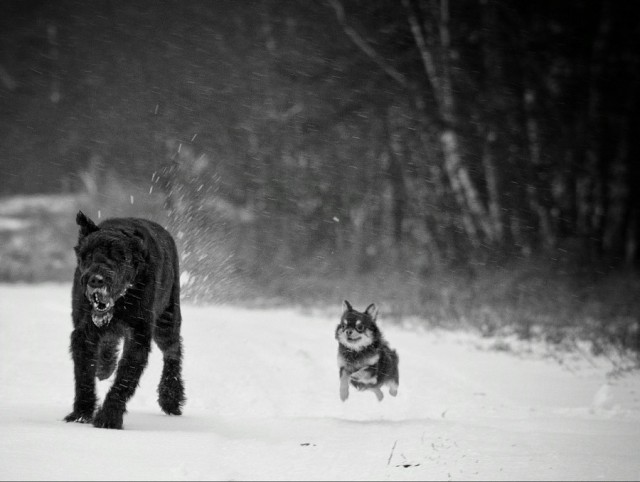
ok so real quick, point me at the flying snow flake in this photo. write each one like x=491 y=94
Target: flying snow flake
x=336 y=219
x=131 y=198
x=603 y=399
x=184 y=278
x=99 y=214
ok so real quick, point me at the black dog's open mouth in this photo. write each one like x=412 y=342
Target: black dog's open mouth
x=101 y=306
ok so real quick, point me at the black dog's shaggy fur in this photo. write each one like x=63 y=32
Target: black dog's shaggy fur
x=126 y=286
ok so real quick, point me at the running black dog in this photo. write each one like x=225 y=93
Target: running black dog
x=126 y=286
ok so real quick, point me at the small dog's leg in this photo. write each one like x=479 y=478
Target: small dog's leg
x=344 y=384
x=378 y=393
x=393 y=389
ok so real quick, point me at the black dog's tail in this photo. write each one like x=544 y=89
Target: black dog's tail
x=108 y=352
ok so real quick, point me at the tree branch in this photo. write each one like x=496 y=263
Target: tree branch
x=425 y=54
x=363 y=45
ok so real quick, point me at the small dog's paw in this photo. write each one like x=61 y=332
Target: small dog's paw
x=393 y=390
x=344 y=385
x=108 y=418
x=79 y=417
x=344 y=393
x=378 y=393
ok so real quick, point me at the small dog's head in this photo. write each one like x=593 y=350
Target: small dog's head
x=357 y=330
x=106 y=263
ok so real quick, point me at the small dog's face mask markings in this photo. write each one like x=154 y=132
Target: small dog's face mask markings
x=356 y=330
x=355 y=333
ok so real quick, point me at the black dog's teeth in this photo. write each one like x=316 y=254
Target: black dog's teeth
x=97 y=304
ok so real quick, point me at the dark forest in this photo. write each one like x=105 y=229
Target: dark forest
x=466 y=161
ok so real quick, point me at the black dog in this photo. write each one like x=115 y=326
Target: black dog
x=126 y=286
x=365 y=359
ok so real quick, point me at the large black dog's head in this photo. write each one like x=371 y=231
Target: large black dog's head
x=107 y=264
x=358 y=330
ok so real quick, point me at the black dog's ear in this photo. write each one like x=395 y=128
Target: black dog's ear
x=86 y=225
x=372 y=311
x=346 y=306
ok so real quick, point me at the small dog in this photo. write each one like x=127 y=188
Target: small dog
x=364 y=357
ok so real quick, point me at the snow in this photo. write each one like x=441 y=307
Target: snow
x=12 y=224
x=49 y=203
x=262 y=388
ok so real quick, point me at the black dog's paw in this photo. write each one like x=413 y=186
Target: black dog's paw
x=108 y=417
x=79 y=417
x=171 y=396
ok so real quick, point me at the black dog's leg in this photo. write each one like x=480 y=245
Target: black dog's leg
x=170 y=389
x=167 y=336
x=133 y=362
x=84 y=345
x=107 y=359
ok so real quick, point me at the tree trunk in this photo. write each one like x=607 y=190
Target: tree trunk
x=491 y=175
x=395 y=172
x=547 y=235
x=475 y=218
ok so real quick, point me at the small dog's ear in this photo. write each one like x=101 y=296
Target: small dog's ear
x=372 y=311
x=86 y=225
x=346 y=306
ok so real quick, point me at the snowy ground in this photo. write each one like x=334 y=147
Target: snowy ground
x=263 y=403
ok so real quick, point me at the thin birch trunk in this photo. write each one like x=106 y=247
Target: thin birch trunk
x=441 y=83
